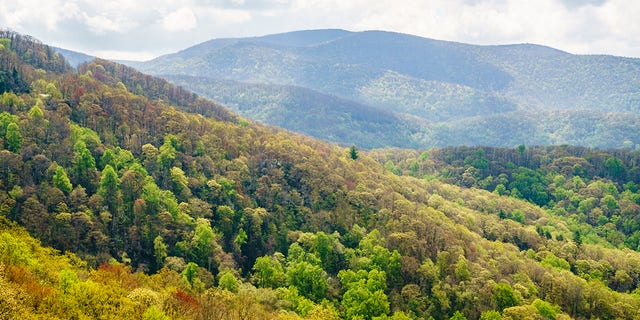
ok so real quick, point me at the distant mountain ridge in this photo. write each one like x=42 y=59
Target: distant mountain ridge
x=73 y=57
x=432 y=85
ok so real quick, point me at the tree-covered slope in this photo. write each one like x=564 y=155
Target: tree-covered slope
x=451 y=86
x=306 y=111
x=172 y=214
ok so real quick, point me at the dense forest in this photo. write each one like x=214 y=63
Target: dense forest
x=596 y=190
x=149 y=202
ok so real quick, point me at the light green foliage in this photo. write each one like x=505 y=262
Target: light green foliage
x=52 y=91
x=364 y=297
x=13 y=137
x=5 y=43
x=180 y=183
x=458 y=316
x=154 y=313
x=462 y=269
x=553 y=261
x=268 y=272
x=167 y=153
x=299 y=304
x=518 y=215
x=83 y=162
x=68 y=278
x=11 y=101
x=36 y=112
x=241 y=238
x=202 y=242
x=309 y=279
x=61 y=180
x=107 y=158
x=391 y=167
x=13 y=251
x=15 y=192
x=152 y=195
x=546 y=309
x=396 y=316
x=190 y=273
x=490 y=315
x=227 y=281
x=500 y=189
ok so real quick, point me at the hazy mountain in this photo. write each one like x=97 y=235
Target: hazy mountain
x=73 y=57
x=438 y=87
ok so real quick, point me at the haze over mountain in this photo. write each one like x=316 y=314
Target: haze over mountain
x=436 y=93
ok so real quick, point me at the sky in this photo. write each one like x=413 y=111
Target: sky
x=144 y=29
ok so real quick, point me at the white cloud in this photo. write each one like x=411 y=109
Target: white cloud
x=182 y=19
x=593 y=26
x=101 y=24
x=217 y=16
x=578 y=26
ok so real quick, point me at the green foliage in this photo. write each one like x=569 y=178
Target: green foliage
x=202 y=243
x=490 y=315
x=36 y=111
x=353 y=153
x=364 y=297
x=268 y=272
x=61 y=180
x=68 y=278
x=110 y=189
x=546 y=309
x=505 y=296
x=167 y=153
x=308 y=278
x=227 y=281
x=13 y=251
x=190 y=273
x=154 y=313
x=84 y=164
x=555 y=262
x=614 y=167
x=159 y=250
x=13 y=137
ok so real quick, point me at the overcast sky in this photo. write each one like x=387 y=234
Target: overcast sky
x=143 y=29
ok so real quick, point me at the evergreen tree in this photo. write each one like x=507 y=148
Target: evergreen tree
x=61 y=181
x=14 y=138
x=353 y=153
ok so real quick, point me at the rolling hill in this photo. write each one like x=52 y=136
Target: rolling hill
x=437 y=88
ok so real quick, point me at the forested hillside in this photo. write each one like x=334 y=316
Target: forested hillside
x=442 y=93
x=596 y=190
x=323 y=116
x=162 y=205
